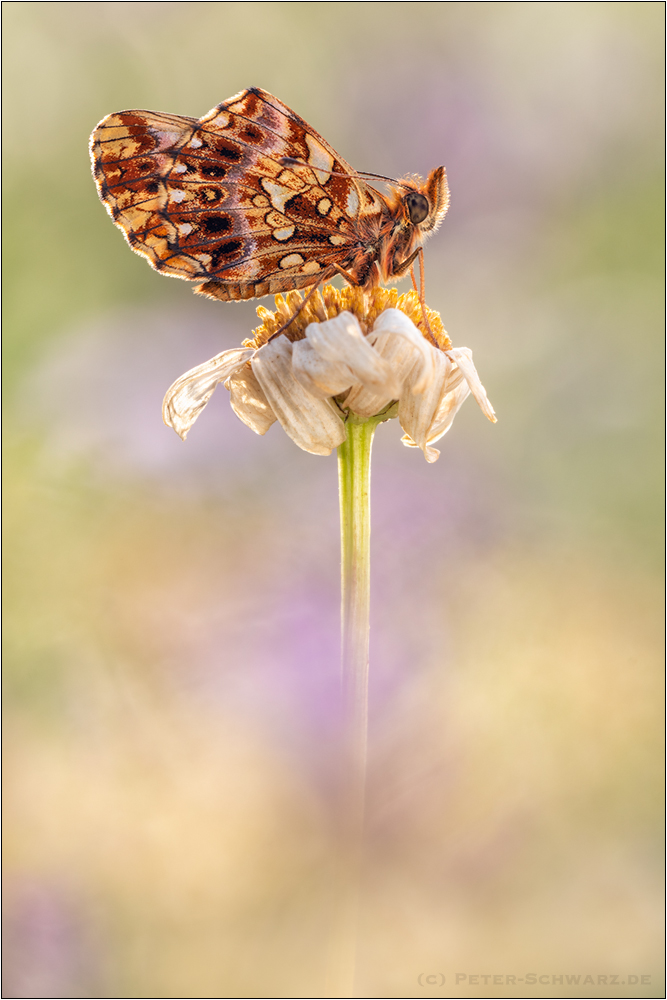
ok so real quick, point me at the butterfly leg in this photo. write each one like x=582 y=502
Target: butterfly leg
x=325 y=277
x=407 y=265
x=420 y=291
x=351 y=280
x=355 y=283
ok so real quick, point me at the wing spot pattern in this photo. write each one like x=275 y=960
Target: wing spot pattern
x=218 y=224
x=319 y=158
x=291 y=260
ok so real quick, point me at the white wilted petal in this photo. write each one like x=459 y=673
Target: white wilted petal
x=298 y=382
x=450 y=404
x=341 y=340
x=430 y=454
x=366 y=401
x=248 y=401
x=321 y=377
x=393 y=321
x=190 y=393
x=417 y=410
x=462 y=356
x=312 y=423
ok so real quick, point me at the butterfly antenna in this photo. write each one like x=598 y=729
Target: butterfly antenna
x=291 y=161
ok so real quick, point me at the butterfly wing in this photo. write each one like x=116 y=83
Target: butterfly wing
x=248 y=198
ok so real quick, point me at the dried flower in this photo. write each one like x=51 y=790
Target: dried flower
x=346 y=352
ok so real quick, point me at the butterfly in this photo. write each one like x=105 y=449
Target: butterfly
x=250 y=200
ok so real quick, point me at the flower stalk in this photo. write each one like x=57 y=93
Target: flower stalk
x=354 y=479
x=354 y=466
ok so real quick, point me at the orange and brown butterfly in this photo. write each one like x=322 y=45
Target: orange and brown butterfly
x=250 y=200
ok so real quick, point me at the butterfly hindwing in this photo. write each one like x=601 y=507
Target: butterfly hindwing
x=212 y=199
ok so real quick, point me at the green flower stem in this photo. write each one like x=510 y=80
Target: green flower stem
x=354 y=473
x=354 y=467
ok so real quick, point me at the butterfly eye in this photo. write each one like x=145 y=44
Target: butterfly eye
x=418 y=207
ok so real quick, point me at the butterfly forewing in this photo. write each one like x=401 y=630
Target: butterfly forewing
x=249 y=198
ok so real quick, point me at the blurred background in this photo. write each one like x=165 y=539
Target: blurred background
x=172 y=609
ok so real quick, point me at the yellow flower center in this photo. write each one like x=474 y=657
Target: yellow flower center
x=329 y=302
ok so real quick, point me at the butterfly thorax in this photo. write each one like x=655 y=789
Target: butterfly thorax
x=389 y=237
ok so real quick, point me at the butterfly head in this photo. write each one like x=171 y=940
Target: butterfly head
x=424 y=203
